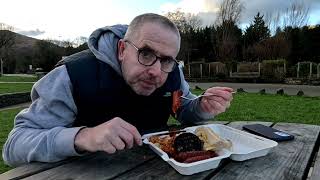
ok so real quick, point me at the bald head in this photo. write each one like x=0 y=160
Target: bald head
x=138 y=22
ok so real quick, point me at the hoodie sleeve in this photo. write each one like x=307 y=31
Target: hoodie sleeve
x=190 y=111
x=43 y=131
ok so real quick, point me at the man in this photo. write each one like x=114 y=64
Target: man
x=104 y=98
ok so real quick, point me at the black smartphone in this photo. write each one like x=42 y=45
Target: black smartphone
x=268 y=132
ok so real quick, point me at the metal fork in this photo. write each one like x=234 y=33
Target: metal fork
x=202 y=95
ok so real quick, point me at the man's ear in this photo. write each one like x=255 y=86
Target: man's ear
x=121 y=47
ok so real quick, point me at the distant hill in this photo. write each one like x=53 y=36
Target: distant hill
x=22 y=42
x=40 y=53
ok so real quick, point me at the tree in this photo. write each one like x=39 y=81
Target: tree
x=47 y=55
x=256 y=32
x=228 y=36
x=255 y=39
x=79 y=41
x=184 y=21
x=187 y=25
x=6 y=41
x=297 y=15
x=228 y=42
x=229 y=11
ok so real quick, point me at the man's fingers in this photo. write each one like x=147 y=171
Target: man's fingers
x=205 y=105
x=116 y=142
x=219 y=99
x=226 y=95
x=127 y=137
x=108 y=147
x=216 y=107
x=133 y=130
x=223 y=89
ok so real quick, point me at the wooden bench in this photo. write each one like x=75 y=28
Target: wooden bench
x=245 y=75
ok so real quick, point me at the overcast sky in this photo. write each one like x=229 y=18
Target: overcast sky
x=68 y=19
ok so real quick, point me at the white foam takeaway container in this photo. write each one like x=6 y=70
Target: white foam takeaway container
x=244 y=146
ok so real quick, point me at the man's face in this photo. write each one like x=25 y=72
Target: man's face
x=144 y=80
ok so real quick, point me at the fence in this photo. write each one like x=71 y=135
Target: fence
x=269 y=70
x=205 y=70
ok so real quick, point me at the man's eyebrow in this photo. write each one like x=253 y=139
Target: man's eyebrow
x=146 y=47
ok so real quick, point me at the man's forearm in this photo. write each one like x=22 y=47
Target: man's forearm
x=25 y=145
x=191 y=113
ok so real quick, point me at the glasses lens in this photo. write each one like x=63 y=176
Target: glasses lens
x=167 y=65
x=146 y=57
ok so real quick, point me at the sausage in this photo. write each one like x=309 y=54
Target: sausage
x=183 y=156
x=196 y=158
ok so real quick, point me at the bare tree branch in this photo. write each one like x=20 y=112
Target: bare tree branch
x=228 y=16
x=230 y=10
x=297 y=15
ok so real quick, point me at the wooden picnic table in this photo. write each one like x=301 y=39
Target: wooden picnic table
x=297 y=159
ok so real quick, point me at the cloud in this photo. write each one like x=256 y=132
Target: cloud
x=272 y=7
x=31 y=33
x=208 y=18
x=208 y=10
x=205 y=9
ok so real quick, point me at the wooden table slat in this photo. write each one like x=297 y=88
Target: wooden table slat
x=316 y=168
x=286 y=161
x=101 y=166
x=30 y=169
x=158 y=169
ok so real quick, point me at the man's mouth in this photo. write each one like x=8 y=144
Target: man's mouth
x=148 y=84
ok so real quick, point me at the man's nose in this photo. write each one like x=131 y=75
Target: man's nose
x=155 y=69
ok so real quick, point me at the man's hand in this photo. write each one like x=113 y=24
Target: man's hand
x=219 y=102
x=110 y=136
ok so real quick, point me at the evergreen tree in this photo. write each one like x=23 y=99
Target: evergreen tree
x=256 y=32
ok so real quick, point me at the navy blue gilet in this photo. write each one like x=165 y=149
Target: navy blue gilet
x=101 y=94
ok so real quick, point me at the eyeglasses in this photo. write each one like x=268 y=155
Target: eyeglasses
x=147 y=57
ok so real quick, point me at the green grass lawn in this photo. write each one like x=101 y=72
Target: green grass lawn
x=245 y=107
x=5 y=78
x=272 y=108
x=6 y=124
x=15 y=87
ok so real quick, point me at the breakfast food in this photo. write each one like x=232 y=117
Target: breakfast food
x=176 y=101
x=187 y=142
x=211 y=140
x=190 y=147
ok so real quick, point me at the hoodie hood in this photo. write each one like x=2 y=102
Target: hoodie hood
x=103 y=43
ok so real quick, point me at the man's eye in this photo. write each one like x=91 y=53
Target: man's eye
x=147 y=54
x=166 y=61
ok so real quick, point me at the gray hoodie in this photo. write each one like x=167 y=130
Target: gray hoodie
x=43 y=132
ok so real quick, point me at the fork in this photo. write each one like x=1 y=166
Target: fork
x=202 y=95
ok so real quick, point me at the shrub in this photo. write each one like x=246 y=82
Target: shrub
x=262 y=91
x=197 y=88
x=241 y=90
x=273 y=70
x=280 y=91
x=300 y=93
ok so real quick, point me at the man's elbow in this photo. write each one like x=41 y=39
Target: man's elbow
x=9 y=154
x=6 y=156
